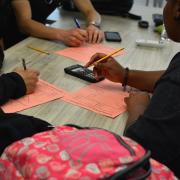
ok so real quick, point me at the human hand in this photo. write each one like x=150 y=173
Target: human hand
x=95 y=35
x=74 y=37
x=136 y=103
x=137 y=99
x=30 y=78
x=108 y=68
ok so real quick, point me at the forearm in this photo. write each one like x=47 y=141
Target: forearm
x=93 y=17
x=27 y=25
x=143 y=80
x=36 y=29
x=88 y=10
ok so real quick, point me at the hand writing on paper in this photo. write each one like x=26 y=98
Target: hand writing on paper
x=95 y=35
x=30 y=78
x=74 y=37
x=109 y=68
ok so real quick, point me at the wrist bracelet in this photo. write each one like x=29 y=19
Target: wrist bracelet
x=125 y=79
x=94 y=23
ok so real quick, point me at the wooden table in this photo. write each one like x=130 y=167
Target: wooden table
x=51 y=67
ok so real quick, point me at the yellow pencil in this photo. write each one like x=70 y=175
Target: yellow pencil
x=37 y=49
x=105 y=57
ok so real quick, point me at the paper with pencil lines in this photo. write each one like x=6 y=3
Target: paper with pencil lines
x=44 y=92
x=85 y=52
x=105 y=97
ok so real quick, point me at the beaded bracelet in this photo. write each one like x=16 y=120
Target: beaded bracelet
x=125 y=80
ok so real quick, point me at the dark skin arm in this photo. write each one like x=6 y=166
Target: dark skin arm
x=112 y=70
x=144 y=80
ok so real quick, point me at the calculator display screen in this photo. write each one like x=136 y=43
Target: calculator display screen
x=78 y=70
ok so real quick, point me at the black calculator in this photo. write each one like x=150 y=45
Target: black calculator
x=82 y=73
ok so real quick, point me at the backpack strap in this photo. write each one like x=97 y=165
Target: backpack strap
x=141 y=163
x=76 y=126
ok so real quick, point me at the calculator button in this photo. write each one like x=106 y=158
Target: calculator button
x=90 y=75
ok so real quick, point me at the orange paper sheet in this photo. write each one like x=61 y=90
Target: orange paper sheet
x=44 y=92
x=84 y=53
x=106 y=98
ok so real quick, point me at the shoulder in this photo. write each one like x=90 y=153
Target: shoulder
x=177 y=55
x=175 y=59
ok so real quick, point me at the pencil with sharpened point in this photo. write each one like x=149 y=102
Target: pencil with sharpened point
x=105 y=57
x=38 y=50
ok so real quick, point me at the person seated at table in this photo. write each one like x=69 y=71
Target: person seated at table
x=14 y=85
x=27 y=17
x=153 y=123
x=19 y=82
x=15 y=126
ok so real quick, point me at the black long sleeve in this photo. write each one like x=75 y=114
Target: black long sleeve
x=12 y=86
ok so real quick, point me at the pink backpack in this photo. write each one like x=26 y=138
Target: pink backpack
x=69 y=153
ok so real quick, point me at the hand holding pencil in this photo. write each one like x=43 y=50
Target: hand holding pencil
x=107 y=66
x=103 y=58
x=74 y=37
x=29 y=77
